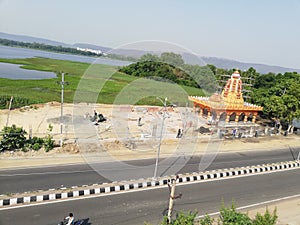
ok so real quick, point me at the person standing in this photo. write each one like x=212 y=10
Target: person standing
x=179 y=133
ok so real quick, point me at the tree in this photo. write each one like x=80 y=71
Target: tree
x=265 y=81
x=279 y=95
x=172 y=59
x=250 y=73
x=160 y=71
x=149 y=57
x=203 y=76
x=275 y=107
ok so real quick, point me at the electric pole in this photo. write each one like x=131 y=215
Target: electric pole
x=172 y=197
x=9 y=107
x=160 y=137
x=62 y=83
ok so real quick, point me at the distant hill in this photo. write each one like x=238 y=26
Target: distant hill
x=30 y=39
x=261 y=68
x=218 y=62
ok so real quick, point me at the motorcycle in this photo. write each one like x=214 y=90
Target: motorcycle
x=77 y=222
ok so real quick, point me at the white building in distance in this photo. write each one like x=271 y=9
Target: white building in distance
x=98 y=52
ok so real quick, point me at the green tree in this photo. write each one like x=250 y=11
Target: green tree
x=203 y=76
x=265 y=81
x=159 y=71
x=149 y=57
x=172 y=59
x=275 y=107
x=279 y=95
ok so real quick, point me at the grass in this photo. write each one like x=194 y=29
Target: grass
x=85 y=82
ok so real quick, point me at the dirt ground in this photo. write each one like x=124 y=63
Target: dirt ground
x=123 y=137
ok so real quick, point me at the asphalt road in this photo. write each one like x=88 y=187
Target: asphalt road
x=136 y=207
x=43 y=178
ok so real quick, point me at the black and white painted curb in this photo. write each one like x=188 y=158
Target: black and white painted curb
x=109 y=188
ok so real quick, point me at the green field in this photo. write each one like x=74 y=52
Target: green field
x=85 y=82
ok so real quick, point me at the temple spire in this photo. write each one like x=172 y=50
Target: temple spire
x=232 y=92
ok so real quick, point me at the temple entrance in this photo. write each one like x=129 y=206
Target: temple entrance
x=205 y=112
x=242 y=117
x=214 y=115
x=222 y=116
x=250 y=117
x=232 y=117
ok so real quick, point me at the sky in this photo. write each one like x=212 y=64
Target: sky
x=257 y=31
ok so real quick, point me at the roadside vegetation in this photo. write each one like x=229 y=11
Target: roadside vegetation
x=14 y=138
x=228 y=216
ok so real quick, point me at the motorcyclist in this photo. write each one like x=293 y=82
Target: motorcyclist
x=70 y=220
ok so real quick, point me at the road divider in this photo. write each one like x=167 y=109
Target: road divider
x=98 y=189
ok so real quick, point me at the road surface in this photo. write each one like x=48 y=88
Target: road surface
x=139 y=206
x=44 y=178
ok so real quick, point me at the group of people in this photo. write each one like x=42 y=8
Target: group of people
x=98 y=117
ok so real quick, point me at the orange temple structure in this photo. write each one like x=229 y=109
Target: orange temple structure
x=229 y=106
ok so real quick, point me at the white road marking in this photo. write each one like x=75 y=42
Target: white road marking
x=254 y=205
x=146 y=189
x=45 y=173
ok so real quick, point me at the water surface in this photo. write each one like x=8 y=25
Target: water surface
x=13 y=71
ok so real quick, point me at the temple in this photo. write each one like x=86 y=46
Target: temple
x=229 y=106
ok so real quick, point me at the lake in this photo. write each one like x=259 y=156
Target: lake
x=13 y=71
x=18 y=53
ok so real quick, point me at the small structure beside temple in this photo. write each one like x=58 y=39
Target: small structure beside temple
x=229 y=106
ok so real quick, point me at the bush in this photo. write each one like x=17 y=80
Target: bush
x=48 y=143
x=12 y=138
x=229 y=216
x=266 y=219
x=183 y=218
x=35 y=143
x=206 y=220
